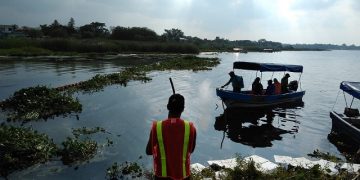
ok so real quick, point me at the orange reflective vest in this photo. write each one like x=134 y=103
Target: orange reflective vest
x=172 y=142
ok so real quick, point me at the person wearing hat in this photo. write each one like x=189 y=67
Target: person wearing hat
x=171 y=142
x=236 y=82
x=285 y=83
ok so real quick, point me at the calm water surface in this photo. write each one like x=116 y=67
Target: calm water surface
x=127 y=112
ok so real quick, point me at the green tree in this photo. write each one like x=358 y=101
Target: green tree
x=173 y=34
x=71 y=26
x=54 y=30
x=134 y=33
x=32 y=32
x=94 y=29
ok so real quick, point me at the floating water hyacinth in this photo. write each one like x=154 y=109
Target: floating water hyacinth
x=21 y=148
x=39 y=102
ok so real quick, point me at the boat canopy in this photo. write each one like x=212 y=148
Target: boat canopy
x=353 y=88
x=272 y=67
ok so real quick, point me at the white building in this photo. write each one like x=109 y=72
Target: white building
x=7 y=29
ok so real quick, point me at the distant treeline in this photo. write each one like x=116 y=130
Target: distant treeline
x=95 y=37
x=326 y=46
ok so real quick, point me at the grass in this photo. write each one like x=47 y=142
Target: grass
x=25 y=51
x=248 y=170
x=243 y=170
x=327 y=156
x=52 y=46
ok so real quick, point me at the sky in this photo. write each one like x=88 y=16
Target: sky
x=286 y=21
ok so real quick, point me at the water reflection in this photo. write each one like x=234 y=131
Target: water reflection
x=259 y=127
x=345 y=145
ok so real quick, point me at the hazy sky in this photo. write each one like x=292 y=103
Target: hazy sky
x=287 y=21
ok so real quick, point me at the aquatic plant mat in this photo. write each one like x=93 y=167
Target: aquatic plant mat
x=22 y=147
x=39 y=102
x=139 y=73
x=76 y=150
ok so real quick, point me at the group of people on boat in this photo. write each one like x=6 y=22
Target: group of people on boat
x=273 y=88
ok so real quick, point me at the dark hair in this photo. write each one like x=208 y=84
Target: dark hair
x=176 y=103
x=270 y=81
x=275 y=80
x=257 y=79
x=231 y=73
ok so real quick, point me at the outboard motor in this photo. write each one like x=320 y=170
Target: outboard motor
x=293 y=85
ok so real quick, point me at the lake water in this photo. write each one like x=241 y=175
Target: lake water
x=127 y=112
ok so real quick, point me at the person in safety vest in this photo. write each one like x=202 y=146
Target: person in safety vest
x=171 y=142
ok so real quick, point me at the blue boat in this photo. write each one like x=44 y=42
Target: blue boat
x=348 y=123
x=248 y=100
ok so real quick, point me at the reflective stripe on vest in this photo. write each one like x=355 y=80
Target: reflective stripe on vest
x=185 y=147
x=162 y=148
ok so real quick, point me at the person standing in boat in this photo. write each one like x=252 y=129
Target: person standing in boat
x=285 y=83
x=277 y=86
x=236 y=82
x=171 y=142
x=257 y=87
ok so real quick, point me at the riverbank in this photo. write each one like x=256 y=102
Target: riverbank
x=73 y=46
x=25 y=47
x=251 y=167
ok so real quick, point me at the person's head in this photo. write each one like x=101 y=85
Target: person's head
x=231 y=74
x=257 y=79
x=287 y=75
x=269 y=82
x=275 y=80
x=176 y=104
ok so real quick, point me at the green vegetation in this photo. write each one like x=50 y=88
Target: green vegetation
x=76 y=150
x=25 y=51
x=21 y=148
x=127 y=169
x=137 y=39
x=327 y=156
x=86 y=131
x=39 y=102
x=243 y=170
x=98 y=82
x=57 y=46
x=96 y=38
x=138 y=73
x=248 y=170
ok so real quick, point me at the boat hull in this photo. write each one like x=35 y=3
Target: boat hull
x=247 y=100
x=340 y=125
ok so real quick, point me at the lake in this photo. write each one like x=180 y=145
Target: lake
x=127 y=112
